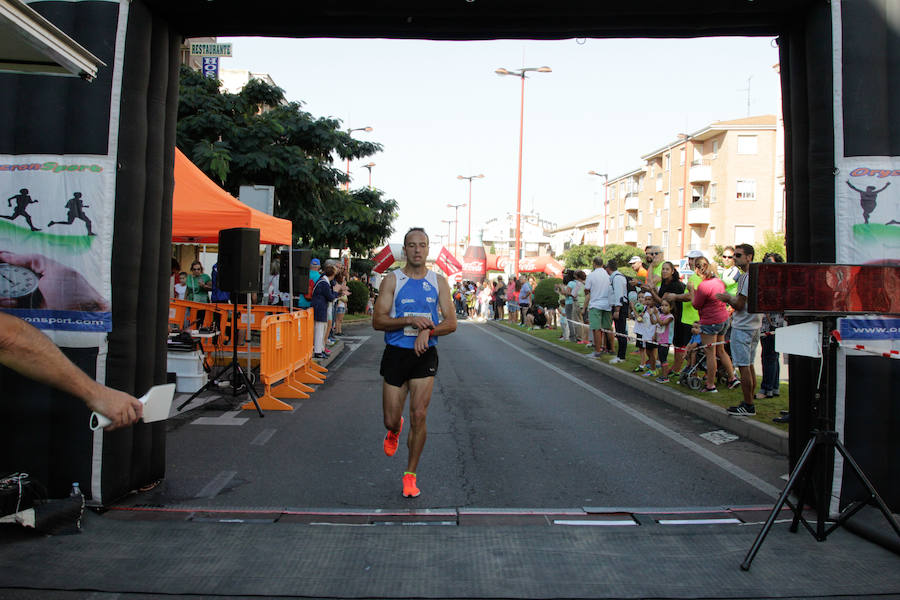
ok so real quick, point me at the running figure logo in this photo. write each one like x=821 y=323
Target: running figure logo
x=22 y=201
x=75 y=207
x=867 y=199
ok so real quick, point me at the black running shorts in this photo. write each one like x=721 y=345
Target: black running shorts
x=399 y=365
x=682 y=335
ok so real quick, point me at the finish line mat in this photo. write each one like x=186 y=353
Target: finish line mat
x=292 y=559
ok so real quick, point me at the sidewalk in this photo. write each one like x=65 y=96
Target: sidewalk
x=764 y=435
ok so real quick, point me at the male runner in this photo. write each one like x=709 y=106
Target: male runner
x=407 y=311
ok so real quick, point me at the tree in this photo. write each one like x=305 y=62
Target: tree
x=545 y=292
x=257 y=137
x=359 y=297
x=581 y=257
x=772 y=242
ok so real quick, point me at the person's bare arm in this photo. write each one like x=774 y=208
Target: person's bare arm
x=31 y=353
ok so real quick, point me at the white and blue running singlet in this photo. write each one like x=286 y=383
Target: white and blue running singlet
x=413 y=298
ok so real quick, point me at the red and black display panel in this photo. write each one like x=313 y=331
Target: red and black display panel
x=826 y=289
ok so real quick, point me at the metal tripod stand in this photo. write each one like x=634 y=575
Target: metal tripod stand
x=814 y=460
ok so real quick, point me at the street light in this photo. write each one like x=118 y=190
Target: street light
x=448 y=221
x=470 y=178
x=349 y=131
x=520 y=73
x=369 y=167
x=455 y=208
x=605 y=202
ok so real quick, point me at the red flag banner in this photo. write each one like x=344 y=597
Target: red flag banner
x=447 y=262
x=383 y=259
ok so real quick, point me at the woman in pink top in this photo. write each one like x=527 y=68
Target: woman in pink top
x=713 y=320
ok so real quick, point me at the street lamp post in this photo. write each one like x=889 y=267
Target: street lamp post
x=520 y=73
x=448 y=221
x=349 y=131
x=455 y=208
x=605 y=203
x=369 y=167
x=470 y=178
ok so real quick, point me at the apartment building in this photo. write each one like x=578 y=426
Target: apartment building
x=722 y=184
x=499 y=235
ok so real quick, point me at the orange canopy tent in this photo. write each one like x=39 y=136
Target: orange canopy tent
x=201 y=208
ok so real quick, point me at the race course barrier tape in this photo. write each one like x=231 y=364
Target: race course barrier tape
x=861 y=348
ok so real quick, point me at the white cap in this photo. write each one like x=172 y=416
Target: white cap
x=635 y=259
x=695 y=254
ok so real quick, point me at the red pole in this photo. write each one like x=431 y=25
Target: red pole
x=519 y=187
x=684 y=198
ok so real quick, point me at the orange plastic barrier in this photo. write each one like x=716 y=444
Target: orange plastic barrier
x=286 y=356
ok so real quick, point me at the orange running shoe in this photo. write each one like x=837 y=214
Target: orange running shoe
x=392 y=440
x=409 y=485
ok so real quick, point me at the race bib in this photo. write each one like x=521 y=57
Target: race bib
x=409 y=329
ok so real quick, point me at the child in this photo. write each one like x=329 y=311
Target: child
x=181 y=286
x=651 y=318
x=643 y=330
x=665 y=330
x=563 y=323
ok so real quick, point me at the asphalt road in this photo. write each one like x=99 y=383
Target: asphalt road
x=510 y=426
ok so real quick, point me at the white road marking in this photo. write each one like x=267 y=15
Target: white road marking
x=719 y=437
x=590 y=523
x=742 y=474
x=264 y=436
x=351 y=347
x=212 y=489
x=700 y=521
x=227 y=418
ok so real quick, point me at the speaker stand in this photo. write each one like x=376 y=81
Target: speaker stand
x=238 y=376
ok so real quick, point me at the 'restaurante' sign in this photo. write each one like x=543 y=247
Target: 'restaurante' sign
x=211 y=49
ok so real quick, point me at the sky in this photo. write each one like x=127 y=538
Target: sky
x=440 y=111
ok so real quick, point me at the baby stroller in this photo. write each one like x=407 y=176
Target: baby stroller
x=694 y=376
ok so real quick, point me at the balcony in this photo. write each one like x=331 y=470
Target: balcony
x=701 y=172
x=632 y=202
x=698 y=213
x=630 y=235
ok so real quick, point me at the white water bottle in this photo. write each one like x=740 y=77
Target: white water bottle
x=76 y=491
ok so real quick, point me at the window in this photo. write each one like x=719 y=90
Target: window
x=696 y=239
x=612 y=192
x=666 y=201
x=621 y=220
x=653 y=169
x=715 y=149
x=640 y=220
x=746 y=189
x=712 y=236
x=681 y=154
x=680 y=196
x=744 y=234
x=746 y=144
x=641 y=183
x=659 y=182
x=650 y=239
x=657 y=219
x=668 y=162
x=650 y=202
x=665 y=241
x=712 y=192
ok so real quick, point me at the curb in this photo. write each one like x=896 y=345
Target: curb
x=764 y=435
